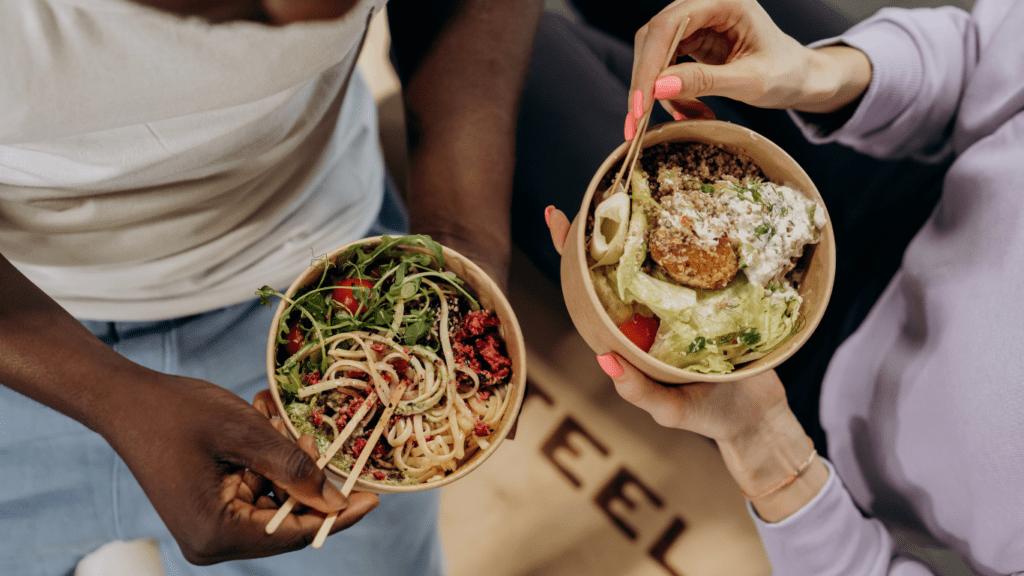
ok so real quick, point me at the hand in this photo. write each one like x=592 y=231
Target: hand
x=208 y=461
x=718 y=412
x=741 y=54
x=760 y=439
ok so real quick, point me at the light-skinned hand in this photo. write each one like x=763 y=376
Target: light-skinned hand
x=720 y=412
x=740 y=53
x=760 y=439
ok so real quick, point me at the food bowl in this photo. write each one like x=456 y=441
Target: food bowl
x=818 y=260
x=490 y=297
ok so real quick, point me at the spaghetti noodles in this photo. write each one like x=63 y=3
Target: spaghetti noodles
x=411 y=321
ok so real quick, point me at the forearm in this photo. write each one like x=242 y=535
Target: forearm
x=51 y=357
x=764 y=461
x=461 y=90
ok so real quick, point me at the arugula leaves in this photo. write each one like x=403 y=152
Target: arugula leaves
x=396 y=268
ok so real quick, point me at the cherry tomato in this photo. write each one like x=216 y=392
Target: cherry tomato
x=343 y=295
x=295 y=339
x=640 y=330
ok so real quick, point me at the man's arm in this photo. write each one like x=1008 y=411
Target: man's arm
x=188 y=442
x=463 y=65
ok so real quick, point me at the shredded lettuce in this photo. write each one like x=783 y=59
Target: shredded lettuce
x=635 y=247
x=706 y=331
x=608 y=294
x=725 y=327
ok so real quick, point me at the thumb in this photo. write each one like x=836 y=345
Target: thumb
x=666 y=404
x=558 y=226
x=292 y=466
x=690 y=80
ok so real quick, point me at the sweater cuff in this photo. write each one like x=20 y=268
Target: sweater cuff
x=896 y=77
x=827 y=536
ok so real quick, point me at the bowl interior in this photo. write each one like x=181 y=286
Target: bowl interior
x=589 y=316
x=490 y=297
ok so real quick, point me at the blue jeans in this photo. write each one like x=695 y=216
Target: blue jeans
x=64 y=492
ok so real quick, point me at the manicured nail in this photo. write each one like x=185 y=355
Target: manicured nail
x=630 y=128
x=667 y=87
x=678 y=116
x=638 y=103
x=610 y=365
x=547 y=214
x=333 y=496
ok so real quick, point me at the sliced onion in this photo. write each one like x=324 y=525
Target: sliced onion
x=613 y=213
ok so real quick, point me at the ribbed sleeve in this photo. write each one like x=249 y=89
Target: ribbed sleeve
x=920 y=60
x=830 y=537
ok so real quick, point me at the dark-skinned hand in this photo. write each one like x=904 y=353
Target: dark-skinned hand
x=216 y=470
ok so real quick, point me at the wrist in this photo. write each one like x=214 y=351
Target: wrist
x=489 y=248
x=775 y=465
x=837 y=78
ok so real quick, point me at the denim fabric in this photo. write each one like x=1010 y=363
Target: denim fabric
x=64 y=492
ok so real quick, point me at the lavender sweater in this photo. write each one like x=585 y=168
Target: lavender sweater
x=924 y=405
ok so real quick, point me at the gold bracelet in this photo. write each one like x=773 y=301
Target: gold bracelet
x=792 y=478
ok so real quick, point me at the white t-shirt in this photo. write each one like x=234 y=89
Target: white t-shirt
x=153 y=166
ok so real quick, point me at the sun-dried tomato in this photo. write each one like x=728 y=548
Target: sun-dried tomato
x=481 y=429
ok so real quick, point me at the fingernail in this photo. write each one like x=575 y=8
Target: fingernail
x=630 y=128
x=333 y=496
x=547 y=214
x=638 y=103
x=610 y=365
x=667 y=87
x=678 y=116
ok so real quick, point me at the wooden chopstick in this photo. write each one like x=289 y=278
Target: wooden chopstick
x=641 y=127
x=357 y=468
x=325 y=458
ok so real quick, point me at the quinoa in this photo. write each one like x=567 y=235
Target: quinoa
x=706 y=162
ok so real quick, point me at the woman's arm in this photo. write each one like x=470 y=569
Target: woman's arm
x=807 y=520
x=898 y=77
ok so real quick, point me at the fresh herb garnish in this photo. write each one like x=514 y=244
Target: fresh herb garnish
x=753 y=188
x=396 y=268
x=749 y=337
x=698 y=344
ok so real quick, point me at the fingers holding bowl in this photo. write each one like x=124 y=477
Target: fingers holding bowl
x=558 y=226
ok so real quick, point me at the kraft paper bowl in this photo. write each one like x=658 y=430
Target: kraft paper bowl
x=597 y=328
x=490 y=296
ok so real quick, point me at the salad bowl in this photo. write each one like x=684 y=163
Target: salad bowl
x=818 y=261
x=476 y=283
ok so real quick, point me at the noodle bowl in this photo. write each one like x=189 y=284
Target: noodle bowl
x=447 y=333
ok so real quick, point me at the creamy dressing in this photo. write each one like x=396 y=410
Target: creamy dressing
x=769 y=224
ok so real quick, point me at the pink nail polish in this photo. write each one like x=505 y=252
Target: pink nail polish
x=638 y=103
x=678 y=116
x=547 y=214
x=667 y=87
x=610 y=365
x=630 y=128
